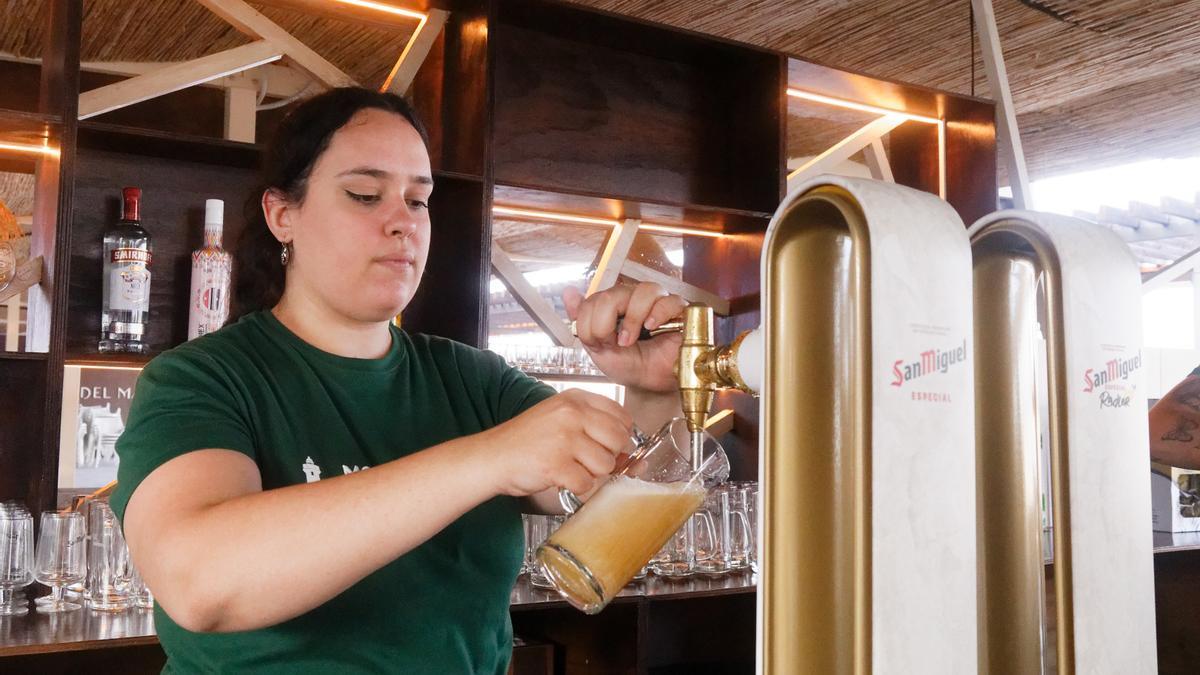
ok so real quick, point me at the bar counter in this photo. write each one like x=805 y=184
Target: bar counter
x=650 y=624
x=536 y=612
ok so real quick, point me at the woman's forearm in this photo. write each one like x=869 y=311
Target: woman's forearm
x=323 y=537
x=651 y=409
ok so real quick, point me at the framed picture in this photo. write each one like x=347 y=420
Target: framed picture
x=95 y=408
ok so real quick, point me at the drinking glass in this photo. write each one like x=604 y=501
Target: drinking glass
x=61 y=556
x=730 y=527
x=750 y=497
x=654 y=491
x=16 y=559
x=690 y=546
x=140 y=594
x=108 y=571
x=541 y=527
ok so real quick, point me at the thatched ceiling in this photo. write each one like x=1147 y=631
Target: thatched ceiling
x=1095 y=81
x=177 y=30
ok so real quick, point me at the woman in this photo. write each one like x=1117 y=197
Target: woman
x=311 y=489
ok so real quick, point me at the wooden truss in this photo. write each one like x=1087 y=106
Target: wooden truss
x=271 y=43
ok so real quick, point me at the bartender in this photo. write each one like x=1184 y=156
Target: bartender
x=1175 y=425
x=311 y=489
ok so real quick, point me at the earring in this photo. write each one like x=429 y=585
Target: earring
x=285 y=254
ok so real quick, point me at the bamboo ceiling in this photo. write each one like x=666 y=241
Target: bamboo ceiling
x=1095 y=82
x=178 y=30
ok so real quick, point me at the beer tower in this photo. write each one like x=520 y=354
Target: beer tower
x=867 y=462
x=1084 y=283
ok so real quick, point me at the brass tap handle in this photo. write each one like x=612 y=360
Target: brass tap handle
x=645 y=334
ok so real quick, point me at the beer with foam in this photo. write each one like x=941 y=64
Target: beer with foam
x=595 y=553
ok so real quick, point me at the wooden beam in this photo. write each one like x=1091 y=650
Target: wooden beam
x=241 y=115
x=1172 y=272
x=249 y=21
x=877 y=162
x=12 y=337
x=842 y=150
x=687 y=291
x=175 y=77
x=405 y=70
x=527 y=296
x=1008 y=134
x=719 y=424
x=616 y=250
x=344 y=11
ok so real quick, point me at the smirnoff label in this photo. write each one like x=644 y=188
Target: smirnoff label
x=129 y=279
x=131 y=255
x=1111 y=381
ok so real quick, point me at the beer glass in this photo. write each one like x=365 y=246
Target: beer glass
x=687 y=549
x=61 y=557
x=654 y=490
x=731 y=534
x=540 y=529
x=109 y=572
x=16 y=559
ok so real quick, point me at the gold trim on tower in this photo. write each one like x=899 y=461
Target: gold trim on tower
x=1010 y=256
x=815 y=584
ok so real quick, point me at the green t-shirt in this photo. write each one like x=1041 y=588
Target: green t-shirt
x=302 y=415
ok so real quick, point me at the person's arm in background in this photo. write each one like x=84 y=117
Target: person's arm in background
x=1175 y=425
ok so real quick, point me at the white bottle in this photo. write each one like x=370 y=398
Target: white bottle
x=211 y=271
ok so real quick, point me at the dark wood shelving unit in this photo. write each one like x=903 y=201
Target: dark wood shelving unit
x=587 y=203
x=23 y=356
x=168 y=145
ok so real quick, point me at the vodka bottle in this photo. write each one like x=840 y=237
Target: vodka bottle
x=125 y=311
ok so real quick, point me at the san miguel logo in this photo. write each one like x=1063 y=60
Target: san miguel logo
x=1112 y=381
x=929 y=362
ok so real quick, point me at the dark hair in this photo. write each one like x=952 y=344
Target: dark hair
x=301 y=139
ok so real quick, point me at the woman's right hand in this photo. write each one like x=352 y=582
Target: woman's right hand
x=567 y=441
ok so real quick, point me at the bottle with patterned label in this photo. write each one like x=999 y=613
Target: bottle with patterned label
x=211 y=271
x=125 y=312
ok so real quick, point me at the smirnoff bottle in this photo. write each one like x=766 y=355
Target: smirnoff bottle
x=211 y=267
x=126 y=286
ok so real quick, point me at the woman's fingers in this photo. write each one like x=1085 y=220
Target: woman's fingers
x=641 y=301
x=664 y=309
x=597 y=321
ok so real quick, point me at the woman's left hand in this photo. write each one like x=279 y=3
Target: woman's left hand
x=649 y=364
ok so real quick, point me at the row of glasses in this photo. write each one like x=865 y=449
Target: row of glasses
x=723 y=536
x=63 y=560
x=546 y=359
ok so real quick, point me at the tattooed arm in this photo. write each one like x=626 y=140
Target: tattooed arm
x=1175 y=425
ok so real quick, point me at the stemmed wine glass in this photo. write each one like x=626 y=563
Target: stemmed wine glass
x=16 y=558
x=61 y=558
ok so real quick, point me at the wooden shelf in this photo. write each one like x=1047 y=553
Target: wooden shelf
x=581 y=202
x=117 y=138
x=20 y=120
x=110 y=360
x=23 y=356
x=566 y=377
